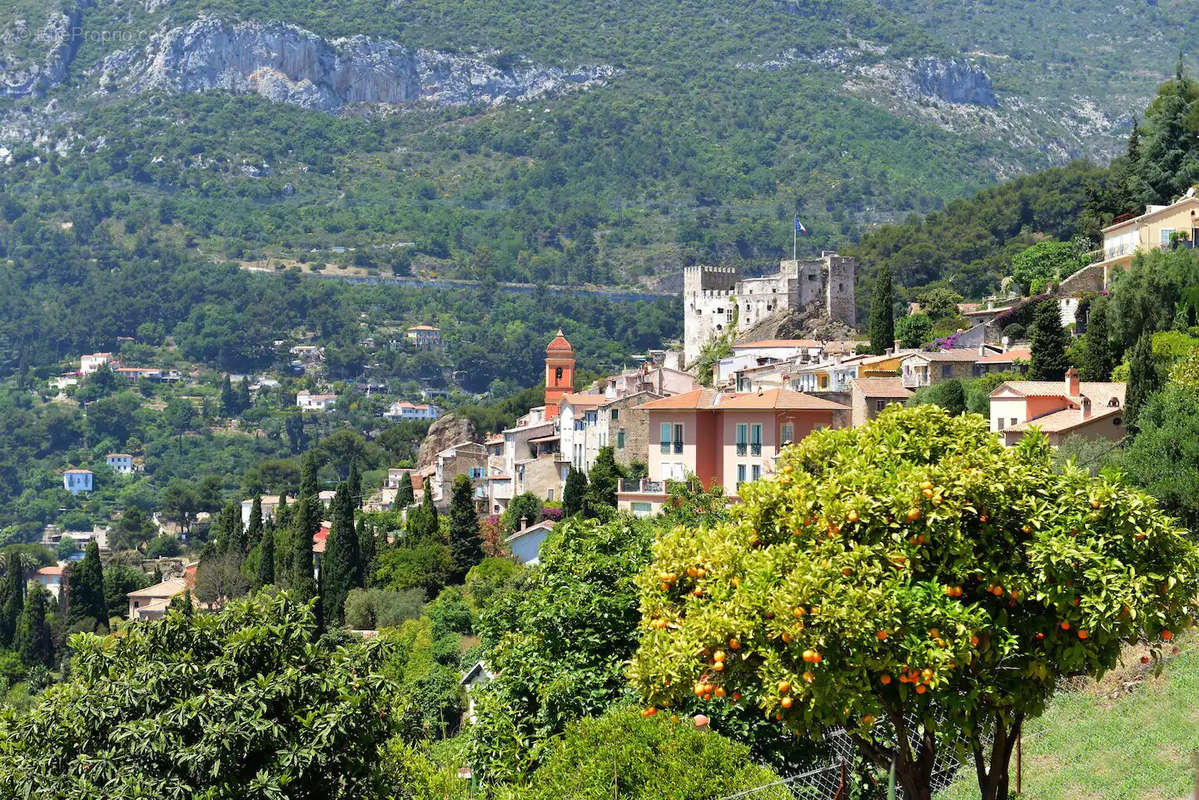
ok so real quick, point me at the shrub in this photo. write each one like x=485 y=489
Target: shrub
x=371 y=609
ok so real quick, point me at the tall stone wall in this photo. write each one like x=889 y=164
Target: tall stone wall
x=840 y=298
x=707 y=306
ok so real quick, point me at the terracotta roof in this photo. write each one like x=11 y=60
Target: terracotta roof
x=1066 y=419
x=165 y=589
x=861 y=360
x=118 y=455
x=497 y=438
x=777 y=343
x=882 y=387
x=423 y=328
x=49 y=571
x=1099 y=392
x=581 y=399
x=771 y=399
x=1014 y=354
x=77 y=472
x=559 y=344
x=969 y=355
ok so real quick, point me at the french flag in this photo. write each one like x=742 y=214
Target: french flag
x=799 y=228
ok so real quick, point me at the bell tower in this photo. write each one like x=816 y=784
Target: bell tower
x=559 y=373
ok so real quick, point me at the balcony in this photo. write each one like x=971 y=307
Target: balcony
x=642 y=486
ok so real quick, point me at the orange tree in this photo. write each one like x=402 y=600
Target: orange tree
x=915 y=582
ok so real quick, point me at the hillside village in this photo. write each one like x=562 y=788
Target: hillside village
x=916 y=517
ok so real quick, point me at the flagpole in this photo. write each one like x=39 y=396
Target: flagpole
x=795 y=239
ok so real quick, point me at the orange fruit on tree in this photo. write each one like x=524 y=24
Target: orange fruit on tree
x=649 y=712
x=718 y=655
x=786 y=702
x=808 y=677
x=852 y=516
x=734 y=644
x=913 y=514
x=1082 y=634
x=884 y=679
x=807 y=656
x=718 y=691
x=718 y=666
x=928 y=492
x=921 y=689
x=784 y=687
x=1065 y=625
x=1167 y=634
x=882 y=636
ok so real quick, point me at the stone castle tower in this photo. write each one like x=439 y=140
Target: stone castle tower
x=714 y=300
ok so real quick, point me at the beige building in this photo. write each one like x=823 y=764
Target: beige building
x=1159 y=228
x=152 y=602
x=926 y=369
x=870 y=396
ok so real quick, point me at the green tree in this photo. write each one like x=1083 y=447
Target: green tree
x=574 y=493
x=1097 y=360
x=243 y=703
x=1143 y=379
x=914 y=330
x=355 y=482
x=424 y=523
x=33 y=640
x=119 y=580
x=604 y=480
x=420 y=565
x=265 y=574
x=882 y=312
x=230 y=536
x=12 y=602
x=645 y=757
x=229 y=404
x=253 y=532
x=522 y=510
x=949 y=395
x=1048 y=343
x=340 y=567
x=1043 y=263
x=1164 y=455
x=466 y=545
x=366 y=550
x=914 y=581
x=85 y=589
x=132 y=531
x=404 y=494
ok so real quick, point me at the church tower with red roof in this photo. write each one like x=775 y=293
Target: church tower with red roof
x=559 y=373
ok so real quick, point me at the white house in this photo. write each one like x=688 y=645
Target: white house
x=77 y=480
x=526 y=544
x=270 y=504
x=478 y=675
x=315 y=402
x=119 y=462
x=405 y=410
x=93 y=361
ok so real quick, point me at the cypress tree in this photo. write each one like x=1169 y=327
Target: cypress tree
x=605 y=481
x=228 y=398
x=266 y=557
x=424 y=523
x=366 y=552
x=574 y=493
x=253 y=534
x=355 y=481
x=243 y=396
x=1098 y=360
x=882 y=312
x=1143 y=379
x=230 y=536
x=14 y=598
x=404 y=494
x=86 y=588
x=466 y=543
x=33 y=641
x=1048 y=343
x=340 y=567
x=307 y=523
x=309 y=475
x=384 y=541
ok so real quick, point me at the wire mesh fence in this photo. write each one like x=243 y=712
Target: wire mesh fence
x=831 y=779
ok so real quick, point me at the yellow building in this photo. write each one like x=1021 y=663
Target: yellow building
x=1159 y=228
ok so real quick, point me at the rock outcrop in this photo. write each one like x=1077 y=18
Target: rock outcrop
x=286 y=63
x=805 y=323
x=445 y=432
x=62 y=36
x=954 y=81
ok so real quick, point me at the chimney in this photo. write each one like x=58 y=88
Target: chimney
x=524 y=523
x=1085 y=408
x=982 y=350
x=1072 y=382
x=895 y=346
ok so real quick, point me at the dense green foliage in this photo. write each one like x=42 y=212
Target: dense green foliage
x=1164 y=455
x=882 y=312
x=235 y=704
x=1048 y=343
x=626 y=755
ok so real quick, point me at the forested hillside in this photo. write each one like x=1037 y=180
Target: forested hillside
x=633 y=138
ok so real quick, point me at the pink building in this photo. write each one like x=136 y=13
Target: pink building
x=1059 y=409
x=723 y=439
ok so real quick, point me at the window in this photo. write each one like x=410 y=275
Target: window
x=947 y=370
x=558 y=374
x=665 y=437
x=788 y=433
x=999 y=423
x=641 y=509
x=756 y=471
x=615 y=414
x=578 y=424
x=755 y=440
x=549 y=494
x=1166 y=233
x=620 y=439
x=879 y=405
x=740 y=474
x=678 y=438
x=742 y=441
x=1014 y=422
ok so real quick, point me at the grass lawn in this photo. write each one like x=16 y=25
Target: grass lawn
x=1091 y=746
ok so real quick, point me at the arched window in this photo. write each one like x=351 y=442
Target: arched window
x=558 y=374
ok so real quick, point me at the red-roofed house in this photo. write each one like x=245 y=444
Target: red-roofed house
x=51 y=578
x=1014 y=359
x=1059 y=409
x=723 y=439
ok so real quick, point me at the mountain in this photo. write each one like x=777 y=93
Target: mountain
x=595 y=141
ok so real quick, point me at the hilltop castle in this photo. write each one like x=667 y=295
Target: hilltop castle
x=714 y=299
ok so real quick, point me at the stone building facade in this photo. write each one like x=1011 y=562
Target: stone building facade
x=715 y=301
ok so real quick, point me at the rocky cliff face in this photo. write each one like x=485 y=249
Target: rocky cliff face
x=445 y=432
x=61 y=37
x=289 y=64
x=954 y=81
